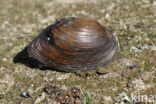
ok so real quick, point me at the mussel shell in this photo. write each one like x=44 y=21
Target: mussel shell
x=74 y=45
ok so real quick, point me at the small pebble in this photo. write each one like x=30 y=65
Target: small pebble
x=133 y=67
x=153 y=48
x=107 y=16
x=40 y=98
x=30 y=92
x=25 y=95
x=4 y=59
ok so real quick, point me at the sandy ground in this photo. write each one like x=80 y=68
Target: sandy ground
x=133 y=73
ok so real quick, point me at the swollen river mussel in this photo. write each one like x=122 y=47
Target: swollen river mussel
x=75 y=45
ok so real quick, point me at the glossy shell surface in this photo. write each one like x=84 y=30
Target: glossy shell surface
x=74 y=45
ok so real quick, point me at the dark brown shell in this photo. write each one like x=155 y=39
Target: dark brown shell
x=75 y=44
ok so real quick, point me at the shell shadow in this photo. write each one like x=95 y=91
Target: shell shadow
x=23 y=58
